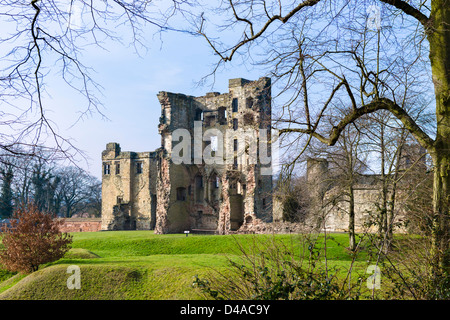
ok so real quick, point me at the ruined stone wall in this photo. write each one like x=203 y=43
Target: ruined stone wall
x=333 y=218
x=199 y=194
x=162 y=195
x=113 y=186
x=140 y=190
x=207 y=205
x=366 y=200
x=329 y=204
x=126 y=184
x=367 y=209
x=81 y=225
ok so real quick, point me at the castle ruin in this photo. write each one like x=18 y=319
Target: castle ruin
x=208 y=174
x=173 y=190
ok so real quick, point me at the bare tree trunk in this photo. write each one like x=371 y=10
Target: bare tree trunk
x=391 y=205
x=439 y=38
x=351 y=220
x=441 y=196
x=391 y=208
x=384 y=186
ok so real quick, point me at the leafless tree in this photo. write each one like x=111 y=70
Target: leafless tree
x=75 y=190
x=43 y=39
x=93 y=204
x=399 y=158
x=387 y=142
x=348 y=162
x=313 y=52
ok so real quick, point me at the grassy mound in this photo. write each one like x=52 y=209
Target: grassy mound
x=105 y=282
x=145 y=243
x=142 y=265
x=80 y=253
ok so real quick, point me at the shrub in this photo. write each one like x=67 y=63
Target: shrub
x=408 y=266
x=33 y=238
x=272 y=270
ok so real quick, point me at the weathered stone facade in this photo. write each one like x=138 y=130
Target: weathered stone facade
x=128 y=189
x=156 y=190
x=331 y=202
x=173 y=190
x=328 y=204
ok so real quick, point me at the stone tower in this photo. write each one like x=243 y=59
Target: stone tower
x=210 y=172
x=128 y=189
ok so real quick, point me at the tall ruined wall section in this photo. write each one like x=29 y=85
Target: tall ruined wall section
x=224 y=221
x=213 y=195
x=171 y=214
x=162 y=195
x=254 y=99
x=149 y=190
x=126 y=189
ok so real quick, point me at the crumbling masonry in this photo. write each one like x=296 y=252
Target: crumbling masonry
x=150 y=190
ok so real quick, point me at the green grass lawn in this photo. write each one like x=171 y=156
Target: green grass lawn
x=142 y=265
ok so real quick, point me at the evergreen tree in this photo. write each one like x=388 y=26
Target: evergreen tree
x=6 y=195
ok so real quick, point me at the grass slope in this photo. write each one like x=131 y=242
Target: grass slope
x=142 y=265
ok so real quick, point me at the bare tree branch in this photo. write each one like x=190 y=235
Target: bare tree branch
x=409 y=10
x=355 y=114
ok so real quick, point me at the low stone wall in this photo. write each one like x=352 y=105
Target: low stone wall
x=254 y=225
x=81 y=225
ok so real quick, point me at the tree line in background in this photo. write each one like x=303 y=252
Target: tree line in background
x=63 y=190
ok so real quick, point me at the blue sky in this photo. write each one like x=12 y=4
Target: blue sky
x=174 y=62
x=130 y=85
